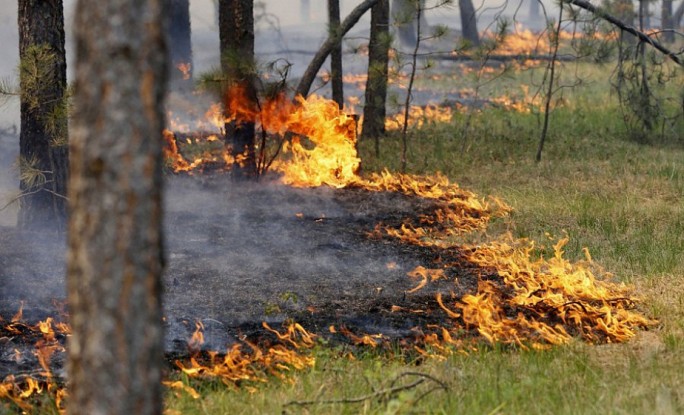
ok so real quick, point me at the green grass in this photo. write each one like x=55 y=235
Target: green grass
x=607 y=192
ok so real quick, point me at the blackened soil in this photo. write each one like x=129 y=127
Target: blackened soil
x=241 y=254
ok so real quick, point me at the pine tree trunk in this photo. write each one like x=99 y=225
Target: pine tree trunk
x=469 y=22
x=180 y=45
x=43 y=138
x=336 y=54
x=236 y=32
x=115 y=253
x=376 y=85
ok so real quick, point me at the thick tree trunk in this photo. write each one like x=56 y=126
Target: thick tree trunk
x=469 y=22
x=43 y=138
x=336 y=54
x=236 y=32
x=376 y=85
x=325 y=49
x=180 y=45
x=115 y=252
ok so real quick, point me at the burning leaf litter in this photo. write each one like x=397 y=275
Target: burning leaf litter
x=518 y=300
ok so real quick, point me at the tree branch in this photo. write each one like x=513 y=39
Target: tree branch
x=334 y=38
x=626 y=27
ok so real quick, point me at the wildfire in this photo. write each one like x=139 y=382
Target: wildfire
x=236 y=365
x=22 y=389
x=419 y=116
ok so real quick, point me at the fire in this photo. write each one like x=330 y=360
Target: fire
x=236 y=365
x=419 y=116
x=185 y=68
x=22 y=389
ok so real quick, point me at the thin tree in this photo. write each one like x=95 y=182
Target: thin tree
x=667 y=20
x=236 y=32
x=469 y=22
x=115 y=252
x=374 y=109
x=336 y=54
x=43 y=149
x=180 y=45
x=333 y=39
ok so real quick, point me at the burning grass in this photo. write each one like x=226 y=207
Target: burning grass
x=521 y=298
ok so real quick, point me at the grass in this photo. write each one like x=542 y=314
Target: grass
x=619 y=198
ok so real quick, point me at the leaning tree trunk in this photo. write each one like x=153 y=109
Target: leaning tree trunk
x=376 y=84
x=236 y=32
x=336 y=54
x=180 y=45
x=43 y=147
x=115 y=253
x=333 y=39
x=469 y=22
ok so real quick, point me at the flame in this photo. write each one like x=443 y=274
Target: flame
x=419 y=116
x=236 y=365
x=185 y=68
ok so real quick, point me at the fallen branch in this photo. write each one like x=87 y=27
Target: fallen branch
x=334 y=39
x=383 y=393
x=626 y=27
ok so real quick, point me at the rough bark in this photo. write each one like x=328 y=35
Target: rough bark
x=43 y=139
x=643 y=37
x=469 y=22
x=115 y=253
x=180 y=45
x=325 y=49
x=236 y=32
x=336 y=54
x=374 y=110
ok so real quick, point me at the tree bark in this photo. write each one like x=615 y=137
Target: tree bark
x=469 y=22
x=333 y=39
x=374 y=110
x=180 y=44
x=115 y=239
x=336 y=54
x=43 y=139
x=236 y=32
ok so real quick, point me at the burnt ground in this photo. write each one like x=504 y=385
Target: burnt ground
x=241 y=254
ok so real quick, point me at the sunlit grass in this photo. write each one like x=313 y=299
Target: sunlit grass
x=621 y=199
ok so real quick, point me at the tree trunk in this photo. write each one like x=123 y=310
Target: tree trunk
x=115 y=253
x=43 y=139
x=534 y=9
x=180 y=45
x=404 y=17
x=666 y=20
x=336 y=54
x=469 y=22
x=236 y=32
x=678 y=15
x=333 y=39
x=376 y=85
